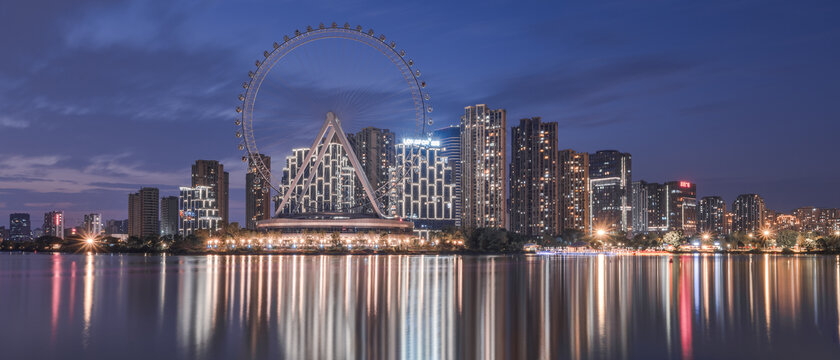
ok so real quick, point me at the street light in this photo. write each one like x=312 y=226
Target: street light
x=89 y=241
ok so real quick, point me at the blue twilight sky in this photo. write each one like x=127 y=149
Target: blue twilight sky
x=98 y=98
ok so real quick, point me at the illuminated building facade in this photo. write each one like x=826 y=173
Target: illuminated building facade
x=198 y=210
x=657 y=207
x=712 y=215
x=534 y=184
x=374 y=148
x=609 y=190
x=681 y=206
x=54 y=224
x=212 y=173
x=20 y=228
x=332 y=185
x=450 y=142
x=93 y=224
x=639 y=206
x=143 y=212
x=257 y=193
x=822 y=221
x=573 y=169
x=421 y=188
x=483 y=161
x=748 y=213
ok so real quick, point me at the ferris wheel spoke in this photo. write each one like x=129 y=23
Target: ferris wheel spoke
x=295 y=99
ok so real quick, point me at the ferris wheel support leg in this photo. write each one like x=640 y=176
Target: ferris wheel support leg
x=342 y=138
x=321 y=153
x=299 y=174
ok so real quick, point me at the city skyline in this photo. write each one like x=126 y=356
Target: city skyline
x=602 y=94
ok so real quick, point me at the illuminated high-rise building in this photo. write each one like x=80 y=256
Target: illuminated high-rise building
x=144 y=213
x=450 y=142
x=657 y=207
x=609 y=190
x=421 y=187
x=212 y=173
x=20 y=228
x=712 y=215
x=681 y=206
x=54 y=224
x=639 y=206
x=534 y=184
x=332 y=186
x=374 y=148
x=748 y=213
x=573 y=169
x=484 y=169
x=198 y=210
x=257 y=193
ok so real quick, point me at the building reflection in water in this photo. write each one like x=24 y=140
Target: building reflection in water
x=367 y=306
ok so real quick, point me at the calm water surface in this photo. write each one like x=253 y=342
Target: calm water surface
x=525 y=307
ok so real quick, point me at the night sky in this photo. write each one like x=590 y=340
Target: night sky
x=99 y=98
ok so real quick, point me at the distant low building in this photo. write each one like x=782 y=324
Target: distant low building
x=93 y=224
x=54 y=224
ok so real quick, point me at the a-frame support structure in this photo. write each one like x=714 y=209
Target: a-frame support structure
x=330 y=130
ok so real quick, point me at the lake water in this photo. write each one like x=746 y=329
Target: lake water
x=387 y=307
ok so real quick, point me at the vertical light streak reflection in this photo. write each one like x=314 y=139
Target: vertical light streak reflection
x=601 y=296
x=685 y=314
x=837 y=293
x=668 y=289
x=88 y=300
x=162 y=288
x=269 y=294
x=545 y=319
x=56 y=295
x=767 y=294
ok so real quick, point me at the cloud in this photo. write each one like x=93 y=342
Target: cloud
x=51 y=174
x=13 y=123
x=51 y=205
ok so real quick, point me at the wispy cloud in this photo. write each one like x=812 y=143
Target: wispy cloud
x=49 y=205
x=13 y=123
x=48 y=174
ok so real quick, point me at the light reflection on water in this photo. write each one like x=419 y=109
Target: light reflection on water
x=527 y=307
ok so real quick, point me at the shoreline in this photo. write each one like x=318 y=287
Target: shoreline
x=425 y=252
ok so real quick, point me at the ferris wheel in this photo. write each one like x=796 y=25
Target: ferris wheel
x=260 y=131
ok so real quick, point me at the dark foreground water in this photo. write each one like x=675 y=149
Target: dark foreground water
x=386 y=307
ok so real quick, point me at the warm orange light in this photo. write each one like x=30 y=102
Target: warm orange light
x=601 y=232
x=89 y=241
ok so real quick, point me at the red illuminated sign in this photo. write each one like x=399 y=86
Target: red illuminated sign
x=685 y=184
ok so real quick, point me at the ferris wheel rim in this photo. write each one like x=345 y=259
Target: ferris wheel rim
x=406 y=66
